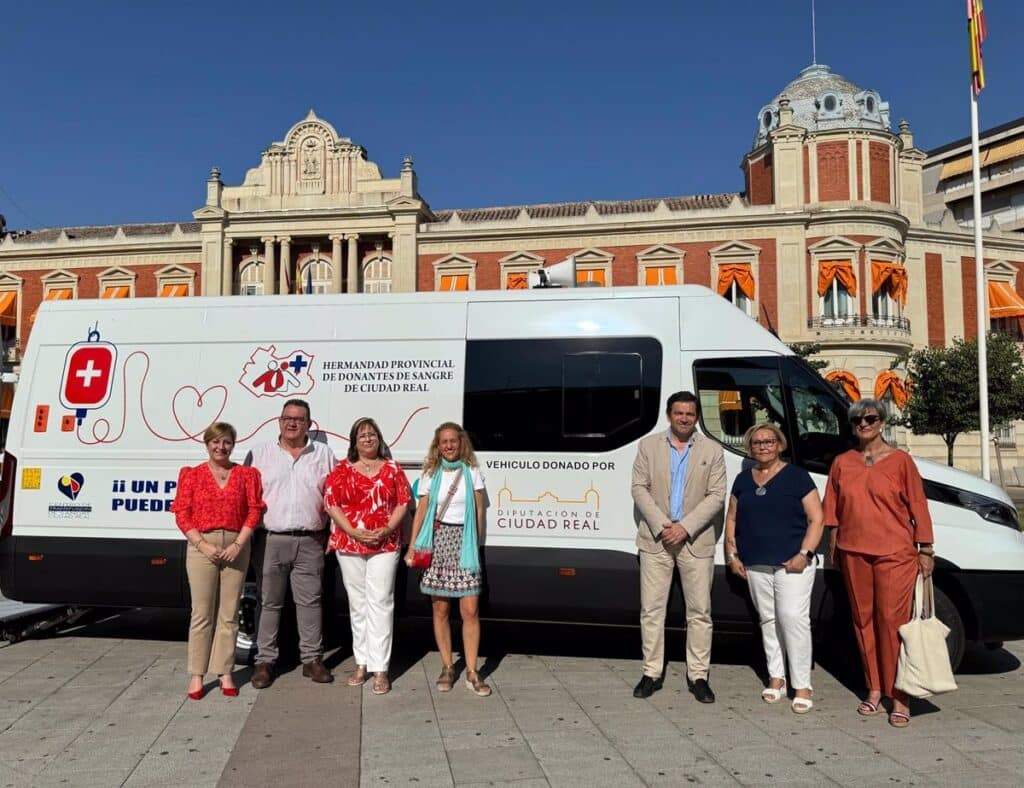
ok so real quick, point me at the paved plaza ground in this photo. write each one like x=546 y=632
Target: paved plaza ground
x=104 y=705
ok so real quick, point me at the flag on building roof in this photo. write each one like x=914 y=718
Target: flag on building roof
x=977 y=31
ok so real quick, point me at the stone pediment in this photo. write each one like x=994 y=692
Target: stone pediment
x=312 y=167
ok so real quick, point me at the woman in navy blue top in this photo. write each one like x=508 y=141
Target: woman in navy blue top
x=772 y=528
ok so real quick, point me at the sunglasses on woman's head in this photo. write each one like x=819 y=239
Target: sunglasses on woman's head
x=869 y=419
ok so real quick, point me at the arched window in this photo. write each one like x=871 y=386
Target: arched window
x=837 y=286
x=250 y=279
x=377 y=275
x=314 y=276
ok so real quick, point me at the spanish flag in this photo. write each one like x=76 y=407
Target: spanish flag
x=977 y=31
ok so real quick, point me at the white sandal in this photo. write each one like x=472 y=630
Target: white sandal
x=802 y=705
x=772 y=694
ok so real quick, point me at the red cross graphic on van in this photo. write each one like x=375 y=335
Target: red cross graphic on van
x=88 y=375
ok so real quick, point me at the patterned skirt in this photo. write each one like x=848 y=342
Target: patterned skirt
x=444 y=577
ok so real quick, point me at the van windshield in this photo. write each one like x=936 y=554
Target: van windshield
x=736 y=393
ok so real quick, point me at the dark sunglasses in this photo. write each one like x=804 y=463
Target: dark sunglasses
x=869 y=419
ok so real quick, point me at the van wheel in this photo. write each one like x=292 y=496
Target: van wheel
x=950 y=616
x=245 y=640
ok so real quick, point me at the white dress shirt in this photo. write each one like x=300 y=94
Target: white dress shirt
x=293 y=487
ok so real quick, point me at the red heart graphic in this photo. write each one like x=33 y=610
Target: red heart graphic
x=205 y=410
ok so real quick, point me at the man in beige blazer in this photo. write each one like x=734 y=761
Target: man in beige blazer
x=679 y=491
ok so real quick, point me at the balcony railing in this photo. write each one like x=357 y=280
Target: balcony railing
x=899 y=324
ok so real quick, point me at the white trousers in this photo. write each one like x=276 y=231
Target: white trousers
x=370 y=586
x=783 y=602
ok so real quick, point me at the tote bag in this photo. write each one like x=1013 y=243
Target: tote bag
x=923 y=668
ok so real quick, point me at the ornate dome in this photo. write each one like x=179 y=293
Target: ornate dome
x=821 y=100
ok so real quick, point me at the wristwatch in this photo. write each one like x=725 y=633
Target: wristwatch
x=809 y=555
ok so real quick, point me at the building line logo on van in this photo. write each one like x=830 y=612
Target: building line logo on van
x=267 y=374
x=70 y=485
x=547 y=511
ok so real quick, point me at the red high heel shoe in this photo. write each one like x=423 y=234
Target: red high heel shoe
x=197 y=694
x=231 y=692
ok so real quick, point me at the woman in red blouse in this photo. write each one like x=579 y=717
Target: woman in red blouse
x=218 y=505
x=366 y=497
x=882 y=538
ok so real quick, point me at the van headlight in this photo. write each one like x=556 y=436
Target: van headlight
x=986 y=508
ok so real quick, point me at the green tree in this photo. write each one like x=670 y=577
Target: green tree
x=807 y=349
x=944 y=396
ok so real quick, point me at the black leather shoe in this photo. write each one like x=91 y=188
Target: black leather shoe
x=647 y=687
x=701 y=690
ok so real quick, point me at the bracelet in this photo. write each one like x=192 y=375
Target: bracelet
x=930 y=552
x=730 y=557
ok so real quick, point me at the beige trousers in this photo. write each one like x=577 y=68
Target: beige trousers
x=655 y=584
x=216 y=590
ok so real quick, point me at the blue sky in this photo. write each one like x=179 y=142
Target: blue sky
x=115 y=111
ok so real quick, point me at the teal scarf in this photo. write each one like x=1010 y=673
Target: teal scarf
x=469 y=558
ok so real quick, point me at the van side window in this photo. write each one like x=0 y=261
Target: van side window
x=737 y=393
x=821 y=431
x=581 y=394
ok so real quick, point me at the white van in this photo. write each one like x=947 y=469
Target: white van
x=555 y=386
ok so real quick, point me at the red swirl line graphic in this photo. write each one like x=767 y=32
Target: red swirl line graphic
x=100 y=430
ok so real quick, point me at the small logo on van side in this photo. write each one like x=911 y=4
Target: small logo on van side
x=267 y=374
x=71 y=485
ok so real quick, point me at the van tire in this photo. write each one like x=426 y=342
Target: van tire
x=950 y=616
x=245 y=640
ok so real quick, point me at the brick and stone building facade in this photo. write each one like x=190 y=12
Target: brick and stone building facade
x=826 y=243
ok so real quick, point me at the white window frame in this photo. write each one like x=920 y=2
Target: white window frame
x=520 y=262
x=380 y=282
x=455 y=265
x=1006 y=273
x=60 y=280
x=593 y=259
x=11 y=283
x=321 y=278
x=738 y=253
x=250 y=276
x=836 y=249
x=659 y=256
x=117 y=277
x=175 y=275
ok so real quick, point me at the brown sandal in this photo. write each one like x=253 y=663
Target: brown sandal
x=381 y=685
x=357 y=677
x=477 y=684
x=447 y=679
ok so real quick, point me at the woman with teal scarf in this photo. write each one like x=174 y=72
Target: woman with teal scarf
x=449 y=521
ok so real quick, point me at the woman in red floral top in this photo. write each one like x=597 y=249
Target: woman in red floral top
x=366 y=497
x=218 y=504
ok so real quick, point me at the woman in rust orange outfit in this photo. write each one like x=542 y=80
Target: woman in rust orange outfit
x=882 y=538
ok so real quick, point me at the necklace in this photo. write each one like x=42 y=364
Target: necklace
x=762 y=490
x=368 y=466
x=219 y=473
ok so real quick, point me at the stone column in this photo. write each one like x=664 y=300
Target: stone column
x=353 y=263
x=268 y=265
x=336 y=263
x=286 y=263
x=227 y=270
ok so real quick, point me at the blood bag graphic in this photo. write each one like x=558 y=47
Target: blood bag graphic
x=88 y=375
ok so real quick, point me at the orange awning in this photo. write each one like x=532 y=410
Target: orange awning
x=1004 y=151
x=847 y=382
x=729 y=400
x=888 y=382
x=9 y=308
x=117 y=291
x=517 y=280
x=890 y=278
x=59 y=294
x=1004 y=301
x=174 y=291
x=595 y=276
x=739 y=273
x=6 y=399
x=454 y=282
x=841 y=270
x=659 y=275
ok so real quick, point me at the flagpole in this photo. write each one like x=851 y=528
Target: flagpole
x=980 y=293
